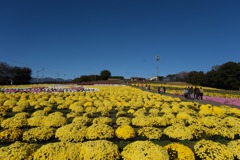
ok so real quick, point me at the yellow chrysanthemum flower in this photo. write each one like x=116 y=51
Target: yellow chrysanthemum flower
x=179 y=151
x=125 y=132
x=144 y=150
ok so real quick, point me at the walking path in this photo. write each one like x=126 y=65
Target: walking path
x=195 y=100
x=202 y=101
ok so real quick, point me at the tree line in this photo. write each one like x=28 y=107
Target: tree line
x=14 y=75
x=104 y=75
x=22 y=75
x=225 y=76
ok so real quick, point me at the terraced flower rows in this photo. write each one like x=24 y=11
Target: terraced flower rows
x=115 y=122
x=227 y=97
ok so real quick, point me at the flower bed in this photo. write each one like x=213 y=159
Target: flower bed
x=210 y=94
x=227 y=101
x=51 y=89
x=115 y=122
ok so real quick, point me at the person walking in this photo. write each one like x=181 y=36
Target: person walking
x=185 y=93
x=196 y=93
x=191 y=93
x=201 y=93
x=148 y=87
x=158 y=89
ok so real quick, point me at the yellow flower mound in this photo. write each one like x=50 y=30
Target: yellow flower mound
x=54 y=119
x=212 y=125
x=121 y=113
x=130 y=111
x=58 y=151
x=18 y=109
x=11 y=135
x=37 y=118
x=36 y=121
x=179 y=151
x=71 y=133
x=17 y=150
x=72 y=115
x=166 y=109
x=91 y=110
x=76 y=107
x=150 y=132
x=221 y=131
x=143 y=121
x=144 y=150
x=1 y=119
x=154 y=112
x=99 y=150
x=102 y=120
x=47 y=109
x=207 y=149
x=219 y=111
x=88 y=104
x=125 y=132
x=234 y=146
x=235 y=111
x=99 y=131
x=178 y=131
x=39 y=134
x=209 y=121
x=18 y=121
x=232 y=122
x=83 y=120
x=23 y=103
x=22 y=115
x=38 y=113
x=183 y=116
x=10 y=103
x=123 y=120
x=3 y=110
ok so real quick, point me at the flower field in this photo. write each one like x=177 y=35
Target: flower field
x=211 y=94
x=112 y=122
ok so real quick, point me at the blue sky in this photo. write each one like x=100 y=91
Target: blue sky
x=70 y=38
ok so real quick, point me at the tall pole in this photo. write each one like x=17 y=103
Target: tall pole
x=157 y=59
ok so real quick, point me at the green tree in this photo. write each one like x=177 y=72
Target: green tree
x=211 y=79
x=17 y=75
x=226 y=76
x=87 y=78
x=105 y=74
x=229 y=74
x=5 y=73
x=21 y=75
x=195 y=77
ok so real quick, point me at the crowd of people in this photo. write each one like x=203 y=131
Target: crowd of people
x=193 y=93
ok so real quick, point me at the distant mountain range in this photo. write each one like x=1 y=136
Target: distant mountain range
x=48 y=79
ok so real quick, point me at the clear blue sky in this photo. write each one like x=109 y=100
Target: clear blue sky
x=70 y=38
